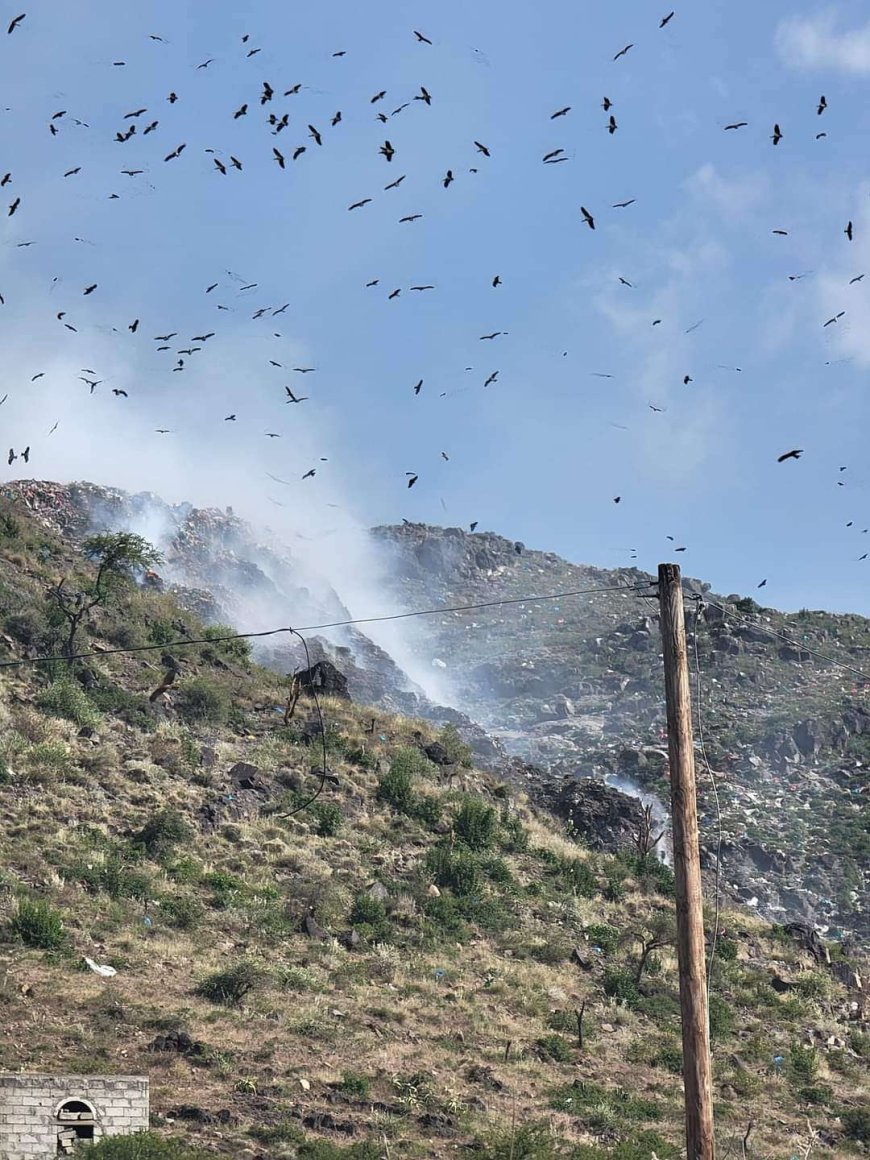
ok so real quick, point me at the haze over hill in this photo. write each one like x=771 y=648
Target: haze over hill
x=572 y=685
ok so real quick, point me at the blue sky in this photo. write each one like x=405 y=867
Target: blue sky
x=541 y=453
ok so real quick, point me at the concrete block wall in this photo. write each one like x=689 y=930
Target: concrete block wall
x=29 y=1105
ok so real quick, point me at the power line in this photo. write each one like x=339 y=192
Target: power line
x=320 y=627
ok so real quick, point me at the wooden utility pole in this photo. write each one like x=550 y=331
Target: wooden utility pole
x=697 y=1072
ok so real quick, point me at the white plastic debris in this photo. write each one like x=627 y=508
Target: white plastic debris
x=99 y=969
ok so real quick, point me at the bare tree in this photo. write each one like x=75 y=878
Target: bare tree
x=657 y=931
x=644 y=840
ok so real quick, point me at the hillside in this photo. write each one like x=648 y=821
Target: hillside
x=391 y=969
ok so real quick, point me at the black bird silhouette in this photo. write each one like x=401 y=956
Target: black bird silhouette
x=418 y=387
x=848 y=231
x=135 y=113
x=560 y=113
x=687 y=379
x=73 y=172
x=230 y=419
x=134 y=326
x=206 y=63
x=360 y=204
x=413 y=478
x=240 y=112
x=624 y=282
x=132 y=172
x=424 y=96
x=310 y=474
x=373 y=282
x=14 y=24
x=553 y=153
x=279 y=156
x=473 y=525
x=7 y=177
x=378 y=97
x=118 y=391
x=395 y=294
x=612 y=125
x=492 y=378
x=172 y=98
x=335 y=120
x=736 y=125
x=495 y=334
x=175 y=153
x=387 y=150
x=383 y=118
x=89 y=289
x=219 y=165
x=587 y=217
x=836 y=318
x=14 y=206
x=291 y=398
x=823 y=104
x=421 y=39
x=422 y=287
x=150 y=128
x=763 y=584
x=852 y=281
x=666 y=19
x=448 y=178
x=292 y=92
x=617 y=498
x=314 y=135
x=796 y=454
x=776 y=136
x=395 y=184
x=607 y=104
x=298 y=151
x=236 y=164
x=411 y=217
x=623 y=51
x=482 y=149
x=267 y=93
x=497 y=281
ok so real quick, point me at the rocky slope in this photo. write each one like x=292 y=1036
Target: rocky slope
x=395 y=967
x=572 y=686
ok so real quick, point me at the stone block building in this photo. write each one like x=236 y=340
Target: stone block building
x=45 y=1115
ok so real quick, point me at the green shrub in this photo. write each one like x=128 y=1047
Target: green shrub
x=457 y=750
x=132 y=708
x=803 y=1063
x=458 y=870
x=856 y=1124
x=369 y=916
x=226 y=888
x=328 y=818
x=66 y=698
x=141 y=1146
x=39 y=925
x=604 y=936
x=476 y=824
x=354 y=1084
x=5 y=773
x=181 y=911
x=497 y=871
x=578 y=877
x=721 y=1017
x=237 y=650
x=230 y=987
x=601 y=1107
x=162 y=832
x=326 y=1150
x=427 y=810
x=555 y=1047
x=396 y=786
x=523 y=1142
x=818 y=1093
x=514 y=835
x=114 y=877
x=620 y=985
x=201 y=700
x=726 y=949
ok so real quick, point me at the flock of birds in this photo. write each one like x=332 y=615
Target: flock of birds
x=273 y=107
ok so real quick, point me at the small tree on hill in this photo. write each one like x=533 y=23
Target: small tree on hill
x=658 y=931
x=118 y=556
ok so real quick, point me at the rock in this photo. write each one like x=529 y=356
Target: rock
x=847 y=975
x=809 y=940
x=563 y=707
x=485 y=1077
x=437 y=754
x=438 y=1122
x=808 y=737
x=788 y=653
x=324 y=679
x=604 y=818
x=583 y=961
x=378 y=891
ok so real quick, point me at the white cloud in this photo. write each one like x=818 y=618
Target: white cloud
x=815 y=43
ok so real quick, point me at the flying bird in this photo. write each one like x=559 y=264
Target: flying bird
x=298 y=151
x=395 y=184
x=492 y=378
x=823 y=104
x=482 y=149
x=14 y=206
x=495 y=334
x=587 y=217
x=796 y=454
x=294 y=398
x=360 y=204
x=310 y=474
x=612 y=125
x=736 y=125
x=666 y=19
x=418 y=387
x=411 y=217
x=422 y=288
x=242 y=111
x=447 y=179
x=625 y=204
x=623 y=51
x=858 y=278
x=421 y=39
x=279 y=157
x=314 y=135
x=776 y=136
x=560 y=113
x=424 y=96
x=553 y=153
x=118 y=391
x=413 y=478
x=89 y=289
x=387 y=150
x=497 y=281
x=848 y=231
x=14 y=24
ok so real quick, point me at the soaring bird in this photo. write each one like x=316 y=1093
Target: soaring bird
x=314 y=135
x=776 y=136
x=823 y=104
x=447 y=179
x=848 y=231
x=482 y=149
x=666 y=19
x=413 y=478
x=560 y=113
x=612 y=125
x=623 y=51
x=387 y=150
x=395 y=184
x=14 y=206
x=492 y=378
x=424 y=96
x=587 y=217
x=360 y=204
x=796 y=454
x=279 y=156
x=241 y=111
x=497 y=281
x=14 y=24
x=421 y=39
x=552 y=154
x=625 y=204
x=418 y=387
x=736 y=125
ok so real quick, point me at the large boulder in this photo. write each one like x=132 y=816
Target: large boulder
x=324 y=679
x=602 y=817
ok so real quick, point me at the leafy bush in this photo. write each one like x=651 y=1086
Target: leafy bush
x=39 y=925
x=230 y=987
x=476 y=824
x=578 y=877
x=114 y=877
x=328 y=818
x=555 y=1047
x=181 y=911
x=133 y=708
x=620 y=985
x=66 y=698
x=326 y=1150
x=604 y=936
x=369 y=916
x=427 y=810
x=239 y=650
x=354 y=1084
x=803 y=1063
x=5 y=773
x=600 y=1107
x=141 y=1146
x=526 y=1142
x=726 y=949
x=856 y=1124
x=458 y=870
x=514 y=835
x=457 y=750
x=201 y=700
x=721 y=1017
x=162 y=832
